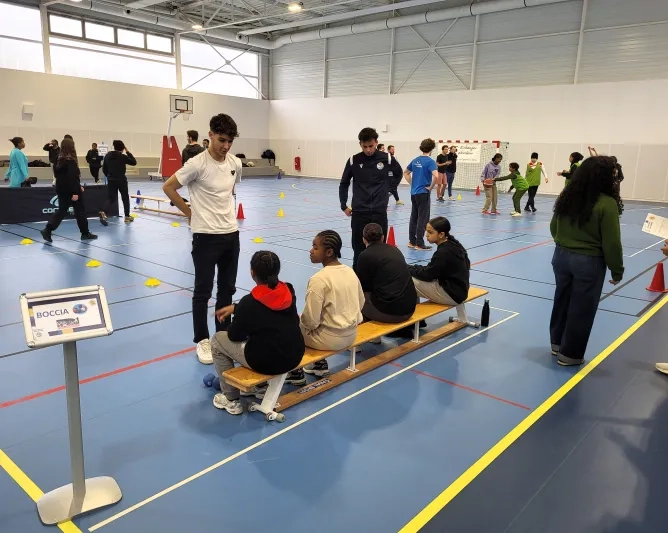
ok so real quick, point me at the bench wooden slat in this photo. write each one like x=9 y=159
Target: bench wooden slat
x=142 y=197
x=245 y=379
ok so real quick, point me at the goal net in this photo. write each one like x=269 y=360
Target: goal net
x=472 y=156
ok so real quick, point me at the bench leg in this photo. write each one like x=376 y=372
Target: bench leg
x=351 y=366
x=463 y=318
x=270 y=400
x=416 y=333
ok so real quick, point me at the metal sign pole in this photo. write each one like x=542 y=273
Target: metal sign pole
x=74 y=419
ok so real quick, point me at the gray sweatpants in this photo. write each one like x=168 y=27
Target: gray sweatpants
x=432 y=290
x=225 y=353
x=370 y=312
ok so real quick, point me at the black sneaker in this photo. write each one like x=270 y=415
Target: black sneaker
x=296 y=377
x=321 y=368
x=534 y=209
x=88 y=236
x=103 y=219
x=46 y=235
x=423 y=248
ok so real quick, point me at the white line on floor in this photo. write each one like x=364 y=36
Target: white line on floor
x=650 y=246
x=289 y=428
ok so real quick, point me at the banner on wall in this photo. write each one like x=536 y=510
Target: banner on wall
x=469 y=153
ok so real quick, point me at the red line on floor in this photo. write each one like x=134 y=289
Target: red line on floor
x=454 y=384
x=54 y=390
x=511 y=253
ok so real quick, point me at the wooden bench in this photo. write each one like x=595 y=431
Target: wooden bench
x=141 y=207
x=246 y=379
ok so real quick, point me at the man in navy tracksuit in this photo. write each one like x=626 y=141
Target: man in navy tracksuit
x=373 y=173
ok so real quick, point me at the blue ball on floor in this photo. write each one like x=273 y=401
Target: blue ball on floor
x=209 y=379
x=216 y=383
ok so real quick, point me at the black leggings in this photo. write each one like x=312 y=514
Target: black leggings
x=113 y=188
x=530 y=201
x=64 y=204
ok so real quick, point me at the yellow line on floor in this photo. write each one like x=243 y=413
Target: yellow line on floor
x=29 y=487
x=481 y=464
x=291 y=427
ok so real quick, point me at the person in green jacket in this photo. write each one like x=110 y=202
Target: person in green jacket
x=576 y=160
x=533 y=175
x=519 y=183
x=585 y=228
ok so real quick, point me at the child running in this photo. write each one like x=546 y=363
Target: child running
x=520 y=184
x=333 y=306
x=491 y=171
x=264 y=334
x=422 y=174
x=445 y=280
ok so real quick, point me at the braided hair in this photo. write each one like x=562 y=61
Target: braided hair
x=331 y=241
x=266 y=266
x=442 y=225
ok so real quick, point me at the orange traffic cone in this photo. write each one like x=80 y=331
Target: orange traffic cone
x=658 y=281
x=240 y=213
x=477 y=190
x=390 y=237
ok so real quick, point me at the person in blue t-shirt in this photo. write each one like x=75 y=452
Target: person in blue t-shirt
x=422 y=174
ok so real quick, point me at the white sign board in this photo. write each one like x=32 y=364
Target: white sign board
x=656 y=225
x=56 y=317
x=469 y=153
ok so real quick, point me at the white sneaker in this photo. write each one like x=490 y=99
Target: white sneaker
x=233 y=407
x=662 y=367
x=517 y=214
x=257 y=392
x=204 y=352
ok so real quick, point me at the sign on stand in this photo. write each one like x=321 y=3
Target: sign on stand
x=64 y=317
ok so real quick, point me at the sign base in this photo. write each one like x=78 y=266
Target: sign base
x=59 y=505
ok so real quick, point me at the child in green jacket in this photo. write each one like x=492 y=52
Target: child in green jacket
x=520 y=184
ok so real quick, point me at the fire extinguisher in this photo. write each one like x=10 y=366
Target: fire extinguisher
x=298 y=163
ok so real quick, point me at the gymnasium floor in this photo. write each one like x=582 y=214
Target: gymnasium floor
x=367 y=456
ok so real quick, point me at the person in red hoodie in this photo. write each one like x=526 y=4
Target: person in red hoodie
x=264 y=334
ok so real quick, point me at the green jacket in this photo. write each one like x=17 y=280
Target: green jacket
x=533 y=174
x=517 y=180
x=600 y=236
x=569 y=173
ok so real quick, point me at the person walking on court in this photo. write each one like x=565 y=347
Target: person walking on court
x=114 y=167
x=193 y=147
x=94 y=160
x=372 y=173
x=70 y=193
x=492 y=170
x=389 y=293
x=585 y=227
x=422 y=174
x=17 y=173
x=533 y=176
x=210 y=177
x=394 y=186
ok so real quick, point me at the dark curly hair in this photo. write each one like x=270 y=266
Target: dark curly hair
x=595 y=176
x=427 y=145
x=224 y=125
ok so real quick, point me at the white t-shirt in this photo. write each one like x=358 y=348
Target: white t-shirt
x=210 y=185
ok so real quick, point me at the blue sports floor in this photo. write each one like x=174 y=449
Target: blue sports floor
x=368 y=456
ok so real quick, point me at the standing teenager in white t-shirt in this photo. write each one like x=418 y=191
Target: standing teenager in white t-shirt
x=210 y=178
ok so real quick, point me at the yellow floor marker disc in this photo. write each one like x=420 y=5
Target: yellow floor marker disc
x=282 y=195
x=27 y=241
x=258 y=240
x=133 y=215
x=93 y=263
x=152 y=282
x=175 y=224
x=459 y=197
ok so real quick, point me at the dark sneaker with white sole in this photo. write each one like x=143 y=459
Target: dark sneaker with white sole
x=567 y=361
x=88 y=236
x=296 y=377
x=319 y=369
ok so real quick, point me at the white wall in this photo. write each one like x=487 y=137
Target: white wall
x=92 y=111
x=626 y=119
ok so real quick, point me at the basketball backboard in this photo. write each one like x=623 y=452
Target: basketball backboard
x=180 y=104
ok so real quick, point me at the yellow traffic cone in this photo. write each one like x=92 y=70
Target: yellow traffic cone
x=282 y=195
x=459 y=197
x=280 y=213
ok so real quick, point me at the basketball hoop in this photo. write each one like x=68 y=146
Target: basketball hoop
x=185 y=115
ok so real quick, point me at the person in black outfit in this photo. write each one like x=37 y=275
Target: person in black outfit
x=394 y=186
x=193 y=148
x=114 y=167
x=373 y=174
x=70 y=193
x=94 y=160
x=389 y=293
x=53 y=149
x=264 y=334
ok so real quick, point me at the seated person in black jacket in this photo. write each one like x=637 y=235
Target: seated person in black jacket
x=69 y=191
x=445 y=280
x=264 y=334
x=389 y=292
